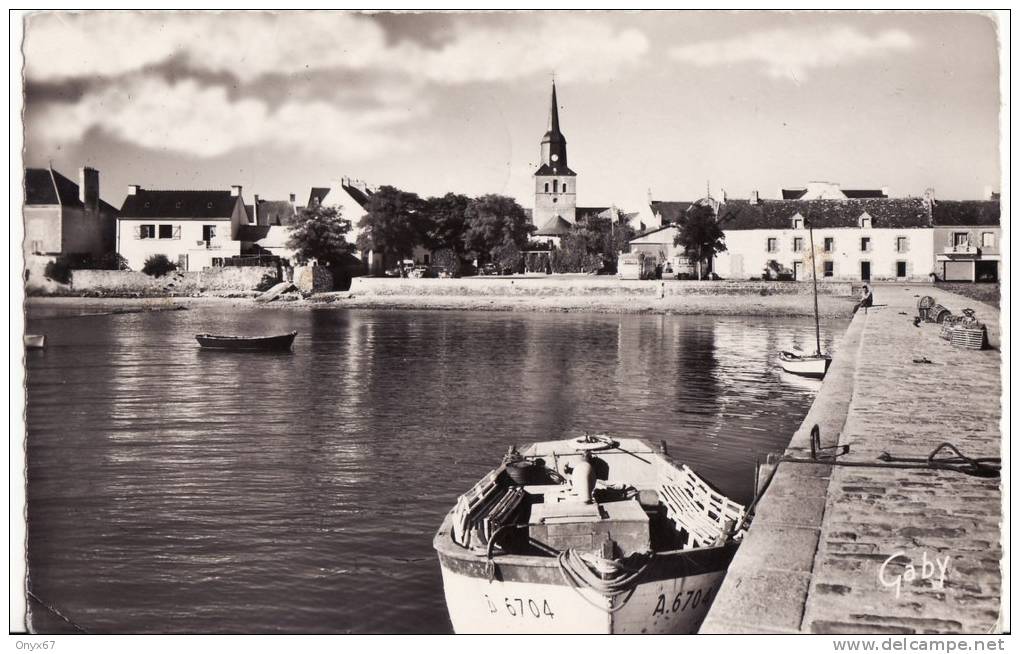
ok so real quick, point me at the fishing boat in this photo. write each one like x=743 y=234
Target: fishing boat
x=586 y=535
x=35 y=341
x=810 y=365
x=246 y=343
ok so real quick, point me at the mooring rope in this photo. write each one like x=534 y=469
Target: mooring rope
x=986 y=467
x=578 y=574
x=56 y=612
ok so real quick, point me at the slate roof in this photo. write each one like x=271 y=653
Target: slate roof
x=45 y=186
x=777 y=214
x=966 y=212
x=317 y=195
x=556 y=226
x=252 y=233
x=181 y=205
x=275 y=212
x=546 y=169
x=857 y=194
x=669 y=211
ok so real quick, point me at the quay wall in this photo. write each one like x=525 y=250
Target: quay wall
x=127 y=282
x=583 y=287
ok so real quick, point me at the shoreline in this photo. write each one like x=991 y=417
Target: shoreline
x=707 y=304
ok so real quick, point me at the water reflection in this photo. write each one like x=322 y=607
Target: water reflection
x=172 y=489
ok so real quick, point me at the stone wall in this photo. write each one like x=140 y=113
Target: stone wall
x=126 y=282
x=313 y=279
x=583 y=286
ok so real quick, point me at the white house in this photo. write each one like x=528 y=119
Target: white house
x=875 y=238
x=194 y=229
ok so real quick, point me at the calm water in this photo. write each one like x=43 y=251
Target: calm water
x=176 y=490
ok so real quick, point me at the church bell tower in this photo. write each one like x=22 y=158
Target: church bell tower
x=555 y=183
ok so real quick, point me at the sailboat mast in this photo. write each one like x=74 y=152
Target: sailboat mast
x=814 y=280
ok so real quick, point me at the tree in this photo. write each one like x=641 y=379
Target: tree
x=319 y=233
x=700 y=235
x=492 y=223
x=444 y=222
x=158 y=265
x=393 y=224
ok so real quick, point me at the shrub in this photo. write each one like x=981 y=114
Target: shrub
x=268 y=281
x=59 y=270
x=111 y=261
x=158 y=265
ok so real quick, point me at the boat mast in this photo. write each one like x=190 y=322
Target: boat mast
x=814 y=280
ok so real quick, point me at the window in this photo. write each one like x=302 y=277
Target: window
x=547 y=187
x=798 y=244
x=166 y=231
x=770 y=245
x=830 y=244
x=961 y=238
x=147 y=231
x=556 y=186
x=828 y=269
x=865 y=244
x=798 y=223
x=865 y=221
x=208 y=232
x=901 y=268
x=901 y=243
x=217 y=262
x=564 y=187
x=988 y=240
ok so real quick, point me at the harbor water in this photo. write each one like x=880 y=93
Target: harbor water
x=172 y=489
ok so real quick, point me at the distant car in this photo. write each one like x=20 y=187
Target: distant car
x=488 y=269
x=420 y=272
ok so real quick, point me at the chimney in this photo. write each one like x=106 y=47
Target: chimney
x=88 y=187
x=754 y=197
x=293 y=198
x=885 y=191
x=255 y=210
x=235 y=191
x=133 y=189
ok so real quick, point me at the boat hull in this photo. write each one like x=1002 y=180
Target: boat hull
x=810 y=366
x=278 y=343
x=529 y=595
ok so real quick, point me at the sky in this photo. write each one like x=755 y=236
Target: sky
x=659 y=104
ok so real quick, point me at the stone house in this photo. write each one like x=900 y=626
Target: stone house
x=194 y=229
x=64 y=218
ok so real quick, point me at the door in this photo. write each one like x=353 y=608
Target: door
x=865 y=271
x=798 y=270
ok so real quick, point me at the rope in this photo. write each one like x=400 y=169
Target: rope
x=56 y=612
x=578 y=574
x=986 y=467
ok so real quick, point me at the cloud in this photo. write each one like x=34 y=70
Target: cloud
x=792 y=53
x=189 y=118
x=249 y=45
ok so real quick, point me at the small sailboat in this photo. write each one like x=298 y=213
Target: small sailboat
x=808 y=365
x=35 y=341
x=587 y=535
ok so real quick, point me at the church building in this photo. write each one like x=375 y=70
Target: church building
x=555 y=183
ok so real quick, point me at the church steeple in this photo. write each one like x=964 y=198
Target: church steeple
x=554 y=144
x=555 y=183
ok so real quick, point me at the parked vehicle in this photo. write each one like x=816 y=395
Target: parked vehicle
x=635 y=265
x=489 y=269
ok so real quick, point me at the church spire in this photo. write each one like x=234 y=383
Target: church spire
x=554 y=113
x=554 y=144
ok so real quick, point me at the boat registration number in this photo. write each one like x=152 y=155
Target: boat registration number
x=519 y=607
x=683 y=601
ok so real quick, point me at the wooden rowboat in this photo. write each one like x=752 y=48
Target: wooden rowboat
x=246 y=343
x=35 y=341
x=588 y=535
x=810 y=365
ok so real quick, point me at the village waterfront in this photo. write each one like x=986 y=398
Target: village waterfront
x=177 y=490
